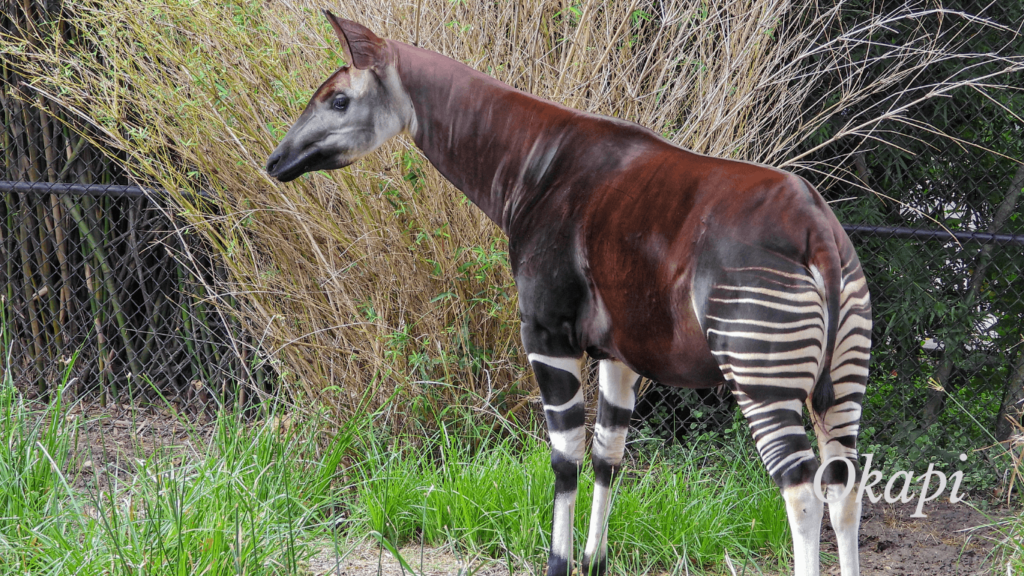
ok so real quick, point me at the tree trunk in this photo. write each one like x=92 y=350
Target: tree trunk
x=1013 y=398
x=936 y=398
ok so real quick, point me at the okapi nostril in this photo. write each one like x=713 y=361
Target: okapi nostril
x=272 y=163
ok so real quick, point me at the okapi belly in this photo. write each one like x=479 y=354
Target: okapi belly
x=678 y=356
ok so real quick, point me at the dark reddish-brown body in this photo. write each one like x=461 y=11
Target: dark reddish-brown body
x=607 y=218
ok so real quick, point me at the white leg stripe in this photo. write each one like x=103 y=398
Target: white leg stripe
x=805 y=383
x=570 y=365
x=569 y=443
x=844 y=310
x=750 y=409
x=850 y=350
x=597 y=538
x=616 y=383
x=774 y=435
x=843 y=410
x=844 y=388
x=850 y=345
x=790 y=461
x=853 y=286
x=845 y=371
x=610 y=443
x=809 y=368
x=804 y=511
x=561 y=529
x=775 y=272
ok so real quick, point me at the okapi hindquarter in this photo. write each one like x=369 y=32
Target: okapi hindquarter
x=690 y=270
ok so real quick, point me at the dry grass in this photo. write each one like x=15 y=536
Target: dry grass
x=380 y=282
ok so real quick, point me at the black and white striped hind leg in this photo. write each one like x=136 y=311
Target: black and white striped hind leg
x=618 y=387
x=562 y=395
x=767 y=330
x=837 y=428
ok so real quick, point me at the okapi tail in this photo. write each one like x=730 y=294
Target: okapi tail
x=827 y=260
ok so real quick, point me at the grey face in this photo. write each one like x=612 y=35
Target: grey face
x=349 y=116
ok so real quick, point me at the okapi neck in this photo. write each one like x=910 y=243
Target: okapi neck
x=494 y=143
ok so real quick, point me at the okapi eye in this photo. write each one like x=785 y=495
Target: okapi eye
x=341 y=103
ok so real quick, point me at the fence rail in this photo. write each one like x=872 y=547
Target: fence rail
x=111 y=190
x=919 y=234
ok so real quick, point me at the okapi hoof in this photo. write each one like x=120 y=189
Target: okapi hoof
x=597 y=569
x=558 y=566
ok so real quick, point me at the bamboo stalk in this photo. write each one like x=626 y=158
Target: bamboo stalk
x=94 y=305
x=105 y=277
x=155 y=302
x=28 y=225
x=188 y=335
x=60 y=239
x=30 y=17
x=72 y=157
x=44 y=226
x=28 y=292
x=5 y=239
x=32 y=172
x=8 y=161
x=9 y=202
x=99 y=208
x=208 y=352
x=18 y=170
x=47 y=232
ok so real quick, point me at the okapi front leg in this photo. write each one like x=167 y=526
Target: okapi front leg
x=614 y=410
x=560 y=390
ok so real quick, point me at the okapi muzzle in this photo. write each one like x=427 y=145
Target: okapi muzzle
x=655 y=261
x=310 y=145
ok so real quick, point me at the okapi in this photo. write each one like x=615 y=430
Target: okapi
x=657 y=262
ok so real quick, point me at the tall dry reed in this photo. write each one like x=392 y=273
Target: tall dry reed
x=380 y=282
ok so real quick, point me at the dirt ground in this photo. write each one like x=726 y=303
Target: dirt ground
x=112 y=439
x=946 y=543
x=892 y=543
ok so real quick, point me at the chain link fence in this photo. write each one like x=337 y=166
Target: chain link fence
x=107 y=300
x=106 y=297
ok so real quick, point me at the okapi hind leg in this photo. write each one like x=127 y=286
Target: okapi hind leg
x=766 y=328
x=618 y=386
x=844 y=510
x=781 y=441
x=837 y=428
x=562 y=395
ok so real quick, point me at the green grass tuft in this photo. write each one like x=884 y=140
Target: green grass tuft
x=262 y=498
x=690 y=509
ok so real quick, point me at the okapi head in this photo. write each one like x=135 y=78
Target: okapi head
x=352 y=113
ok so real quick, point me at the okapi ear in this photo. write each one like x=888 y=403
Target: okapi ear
x=362 y=47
